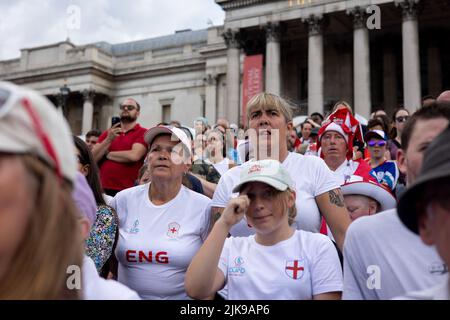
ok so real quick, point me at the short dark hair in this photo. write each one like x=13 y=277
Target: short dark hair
x=438 y=109
x=93 y=133
x=377 y=122
x=316 y=114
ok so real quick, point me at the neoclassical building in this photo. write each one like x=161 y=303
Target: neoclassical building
x=313 y=52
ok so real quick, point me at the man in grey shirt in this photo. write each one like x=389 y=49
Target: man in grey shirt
x=425 y=209
x=382 y=258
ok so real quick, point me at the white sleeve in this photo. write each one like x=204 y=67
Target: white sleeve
x=326 y=272
x=323 y=177
x=355 y=276
x=117 y=203
x=223 y=192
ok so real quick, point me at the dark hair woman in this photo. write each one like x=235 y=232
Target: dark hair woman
x=101 y=243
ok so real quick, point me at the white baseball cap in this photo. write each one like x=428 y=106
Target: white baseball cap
x=267 y=171
x=176 y=133
x=30 y=124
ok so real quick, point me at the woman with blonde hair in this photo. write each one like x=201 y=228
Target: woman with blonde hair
x=278 y=262
x=317 y=190
x=39 y=230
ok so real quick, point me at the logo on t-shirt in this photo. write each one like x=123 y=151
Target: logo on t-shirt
x=172 y=231
x=135 y=228
x=294 y=269
x=237 y=270
x=380 y=175
x=438 y=268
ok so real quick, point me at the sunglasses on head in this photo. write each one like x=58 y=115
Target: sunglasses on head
x=379 y=143
x=402 y=119
x=128 y=107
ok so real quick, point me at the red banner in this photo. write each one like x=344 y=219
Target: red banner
x=252 y=82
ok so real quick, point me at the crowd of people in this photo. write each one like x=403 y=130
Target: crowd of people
x=332 y=209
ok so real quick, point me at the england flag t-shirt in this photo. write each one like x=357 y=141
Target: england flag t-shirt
x=157 y=242
x=298 y=268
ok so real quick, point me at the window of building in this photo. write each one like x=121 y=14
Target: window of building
x=166 y=113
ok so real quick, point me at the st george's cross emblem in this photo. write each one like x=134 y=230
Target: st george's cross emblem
x=294 y=269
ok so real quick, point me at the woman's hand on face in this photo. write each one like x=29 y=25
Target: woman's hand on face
x=235 y=210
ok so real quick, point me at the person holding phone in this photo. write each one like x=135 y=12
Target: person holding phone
x=121 y=149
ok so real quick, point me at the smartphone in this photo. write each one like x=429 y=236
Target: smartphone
x=114 y=121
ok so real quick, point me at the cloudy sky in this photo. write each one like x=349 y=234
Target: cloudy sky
x=30 y=23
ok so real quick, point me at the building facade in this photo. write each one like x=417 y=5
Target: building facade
x=371 y=53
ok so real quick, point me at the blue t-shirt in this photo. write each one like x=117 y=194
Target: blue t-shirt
x=387 y=173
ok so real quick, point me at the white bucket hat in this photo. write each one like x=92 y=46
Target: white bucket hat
x=267 y=171
x=358 y=185
x=30 y=124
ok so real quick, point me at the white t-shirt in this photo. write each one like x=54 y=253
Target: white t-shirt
x=439 y=292
x=345 y=170
x=157 y=243
x=298 y=268
x=383 y=259
x=222 y=166
x=312 y=178
x=96 y=288
x=107 y=198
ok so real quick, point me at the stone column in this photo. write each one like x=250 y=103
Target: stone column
x=273 y=59
x=361 y=63
x=211 y=97
x=315 y=64
x=233 y=75
x=88 y=110
x=411 y=59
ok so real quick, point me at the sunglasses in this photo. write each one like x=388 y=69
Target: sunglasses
x=9 y=96
x=379 y=143
x=402 y=119
x=128 y=107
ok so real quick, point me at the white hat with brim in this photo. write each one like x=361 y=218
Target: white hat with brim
x=30 y=124
x=268 y=171
x=364 y=187
x=176 y=133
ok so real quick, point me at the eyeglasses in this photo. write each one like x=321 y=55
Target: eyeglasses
x=9 y=96
x=128 y=107
x=379 y=143
x=402 y=119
